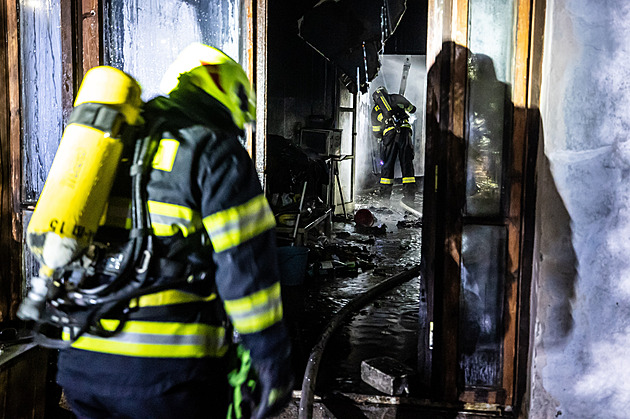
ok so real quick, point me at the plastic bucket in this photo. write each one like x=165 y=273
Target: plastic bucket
x=292 y=261
x=364 y=217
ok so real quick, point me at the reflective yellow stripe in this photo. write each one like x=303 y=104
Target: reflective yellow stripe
x=251 y=302
x=236 y=225
x=157 y=339
x=379 y=117
x=409 y=180
x=257 y=311
x=168 y=297
x=387 y=105
x=169 y=219
x=388 y=129
x=376 y=128
x=386 y=181
x=165 y=154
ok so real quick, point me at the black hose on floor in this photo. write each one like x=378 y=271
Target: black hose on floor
x=406 y=207
x=312 y=366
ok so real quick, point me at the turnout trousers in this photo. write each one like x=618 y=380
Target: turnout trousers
x=397 y=145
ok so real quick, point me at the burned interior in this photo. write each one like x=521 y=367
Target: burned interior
x=475 y=269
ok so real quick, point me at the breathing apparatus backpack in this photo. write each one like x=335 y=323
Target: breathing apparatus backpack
x=393 y=114
x=105 y=118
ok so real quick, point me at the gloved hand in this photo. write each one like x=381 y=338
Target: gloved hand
x=276 y=385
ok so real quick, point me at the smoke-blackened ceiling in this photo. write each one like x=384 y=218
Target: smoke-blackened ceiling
x=351 y=33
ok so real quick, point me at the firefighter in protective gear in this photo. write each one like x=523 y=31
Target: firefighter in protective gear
x=214 y=235
x=391 y=127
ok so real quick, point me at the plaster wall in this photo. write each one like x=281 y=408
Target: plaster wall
x=581 y=334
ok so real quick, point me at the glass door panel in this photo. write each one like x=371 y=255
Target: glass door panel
x=481 y=305
x=491 y=29
x=143 y=37
x=488 y=135
x=487 y=130
x=40 y=82
x=41 y=104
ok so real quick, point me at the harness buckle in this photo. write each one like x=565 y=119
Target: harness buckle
x=146 y=260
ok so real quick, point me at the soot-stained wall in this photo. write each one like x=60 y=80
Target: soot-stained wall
x=581 y=333
x=300 y=81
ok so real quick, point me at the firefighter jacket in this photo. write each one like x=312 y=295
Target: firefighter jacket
x=212 y=224
x=390 y=113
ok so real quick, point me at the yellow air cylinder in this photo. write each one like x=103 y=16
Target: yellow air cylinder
x=80 y=179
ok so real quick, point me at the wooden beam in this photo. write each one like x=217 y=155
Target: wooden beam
x=10 y=164
x=459 y=67
x=444 y=193
x=68 y=57
x=434 y=31
x=80 y=46
x=459 y=23
x=515 y=211
x=91 y=30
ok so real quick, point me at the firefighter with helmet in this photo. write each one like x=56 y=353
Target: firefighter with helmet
x=391 y=127
x=167 y=353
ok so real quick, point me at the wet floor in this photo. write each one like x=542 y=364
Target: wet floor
x=387 y=326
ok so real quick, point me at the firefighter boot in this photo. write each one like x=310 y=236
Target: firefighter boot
x=385 y=193
x=409 y=194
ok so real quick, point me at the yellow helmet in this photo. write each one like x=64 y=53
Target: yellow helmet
x=216 y=74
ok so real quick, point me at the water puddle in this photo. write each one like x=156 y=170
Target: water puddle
x=388 y=326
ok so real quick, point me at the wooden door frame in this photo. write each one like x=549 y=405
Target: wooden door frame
x=81 y=46
x=10 y=165
x=447 y=53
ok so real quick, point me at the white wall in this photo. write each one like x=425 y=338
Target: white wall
x=581 y=348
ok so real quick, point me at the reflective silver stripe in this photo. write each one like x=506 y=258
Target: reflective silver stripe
x=169 y=220
x=233 y=226
x=157 y=340
x=256 y=311
x=154 y=339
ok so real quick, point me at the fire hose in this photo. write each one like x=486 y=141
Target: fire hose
x=312 y=366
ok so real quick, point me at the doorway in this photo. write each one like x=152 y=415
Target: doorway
x=478 y=200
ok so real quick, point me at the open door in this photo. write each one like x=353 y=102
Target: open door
x=479 y=165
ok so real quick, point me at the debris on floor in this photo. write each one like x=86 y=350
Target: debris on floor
x=339 y=259
x=354 y=258
x=387 y=375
